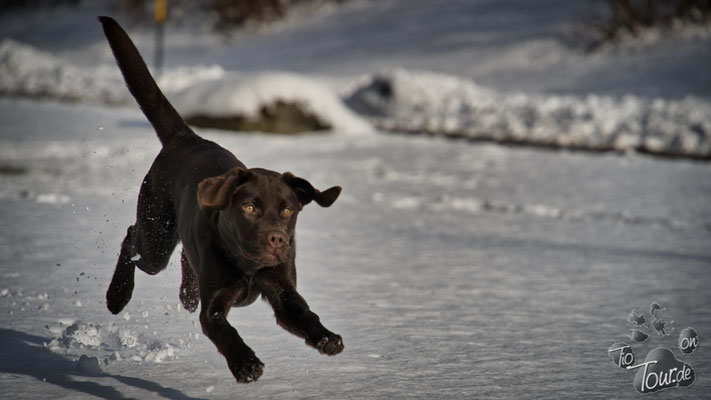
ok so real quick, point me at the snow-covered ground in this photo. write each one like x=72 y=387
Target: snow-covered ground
x=451 y=269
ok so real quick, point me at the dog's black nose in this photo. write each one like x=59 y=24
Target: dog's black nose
x=277 y=240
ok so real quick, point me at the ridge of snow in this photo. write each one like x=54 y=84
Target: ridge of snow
x=245 y=94
x=206 y=90
x=420 y=101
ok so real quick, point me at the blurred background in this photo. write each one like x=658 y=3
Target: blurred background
x=518 y=176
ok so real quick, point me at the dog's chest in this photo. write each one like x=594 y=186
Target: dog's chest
x=249 y=293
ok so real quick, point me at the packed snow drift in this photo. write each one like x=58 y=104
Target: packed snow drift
x=413 y=101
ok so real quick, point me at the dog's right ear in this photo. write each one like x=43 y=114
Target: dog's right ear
x=216 y=193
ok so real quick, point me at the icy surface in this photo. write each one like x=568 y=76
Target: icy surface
x=451 y=270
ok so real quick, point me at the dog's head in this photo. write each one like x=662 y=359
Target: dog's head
x=257 y=211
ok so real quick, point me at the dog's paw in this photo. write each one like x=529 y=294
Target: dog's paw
x=247 y=370
x=190 y=297
x=118 y=295
x=330 y=344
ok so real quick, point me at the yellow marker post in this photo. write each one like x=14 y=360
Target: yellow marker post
x=161 y=11
x=161 y=14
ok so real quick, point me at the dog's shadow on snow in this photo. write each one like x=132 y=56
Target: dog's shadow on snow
x=24 y=354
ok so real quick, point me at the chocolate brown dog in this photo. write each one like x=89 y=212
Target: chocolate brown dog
x=236 y=226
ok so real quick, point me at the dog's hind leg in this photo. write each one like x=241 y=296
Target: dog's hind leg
x=121 y=286
x=189 y=290
x=148 y=244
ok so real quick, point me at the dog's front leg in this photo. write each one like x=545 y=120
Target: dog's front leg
x=243 y=363
x=293 y=314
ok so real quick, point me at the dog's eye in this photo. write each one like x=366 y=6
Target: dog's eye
x=287 y=212
x=249 y=208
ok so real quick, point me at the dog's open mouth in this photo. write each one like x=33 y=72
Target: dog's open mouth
x=263 y=259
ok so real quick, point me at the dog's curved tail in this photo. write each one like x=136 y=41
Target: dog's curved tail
x=165 y=119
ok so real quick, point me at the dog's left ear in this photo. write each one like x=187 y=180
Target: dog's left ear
x=306 y=192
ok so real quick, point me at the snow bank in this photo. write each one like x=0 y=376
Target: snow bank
x=415 y=101
x=245 y=94
x=26 y=71
x=201 y=90
x=29 y=72
x=397 y=100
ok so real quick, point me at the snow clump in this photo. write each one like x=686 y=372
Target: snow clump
x=110 y=343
